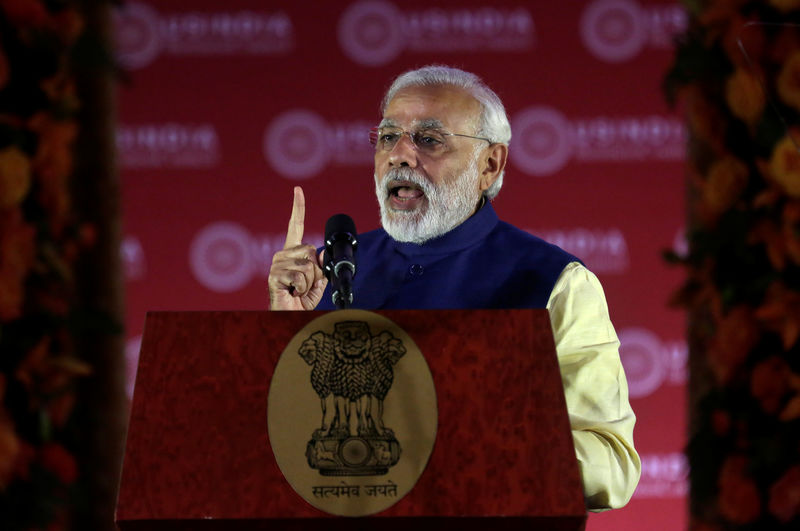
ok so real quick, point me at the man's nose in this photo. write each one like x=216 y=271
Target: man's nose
x=403 y=153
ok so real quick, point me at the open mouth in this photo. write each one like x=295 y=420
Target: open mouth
x=403 y=191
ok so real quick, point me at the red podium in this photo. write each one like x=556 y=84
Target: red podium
x=198 y=453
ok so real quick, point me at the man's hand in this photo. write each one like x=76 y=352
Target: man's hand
x=296 y=280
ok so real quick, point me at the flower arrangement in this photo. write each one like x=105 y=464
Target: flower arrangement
x=40 y=241
x=737 y=75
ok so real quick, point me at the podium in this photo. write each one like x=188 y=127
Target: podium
x=199 y=455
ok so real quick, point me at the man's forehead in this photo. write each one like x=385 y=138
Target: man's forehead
x=424 y=123
x=431 y=107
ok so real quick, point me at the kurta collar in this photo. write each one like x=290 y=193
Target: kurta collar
x=473 y=230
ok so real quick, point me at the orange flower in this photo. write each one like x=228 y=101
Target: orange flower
x=784 y=165
x=726 y=181
x=52 y=165
x=15 y=176
x=744 y=96
x=769 y=383
x=735 y=336
x=784 y=496
x=767 y=232
x=780 y=312
x=739 y=500
x=705 y=119
x=789 y=81
x=785 y=6
x=792 y=410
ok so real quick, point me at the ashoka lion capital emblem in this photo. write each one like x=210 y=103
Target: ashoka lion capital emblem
x=352 y=371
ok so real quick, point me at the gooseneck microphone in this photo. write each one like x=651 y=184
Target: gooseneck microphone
x=340 y=258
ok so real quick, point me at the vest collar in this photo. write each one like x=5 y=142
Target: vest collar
x=474 y=229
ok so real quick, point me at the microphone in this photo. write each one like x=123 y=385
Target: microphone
x=340 y=261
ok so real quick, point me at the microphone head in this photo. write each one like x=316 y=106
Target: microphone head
x=340 y=261
x=339 y=223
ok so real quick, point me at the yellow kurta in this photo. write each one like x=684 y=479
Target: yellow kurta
x=595 y=389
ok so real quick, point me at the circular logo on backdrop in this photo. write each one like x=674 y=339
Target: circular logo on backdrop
x=613 y=30
x=542 y=144
x=295 y=144
x=220 y=257
x=640 y=352
x=369 y=33
x=136 y=36
x=681 y=243
x=352 y=413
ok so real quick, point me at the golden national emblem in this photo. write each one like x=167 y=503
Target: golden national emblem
x=352 y=413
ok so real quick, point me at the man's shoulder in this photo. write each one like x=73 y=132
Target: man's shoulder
x=506 y=234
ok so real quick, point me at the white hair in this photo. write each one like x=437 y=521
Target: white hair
x=493 y=120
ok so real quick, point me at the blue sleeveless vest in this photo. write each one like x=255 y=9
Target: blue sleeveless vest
x=483 y=263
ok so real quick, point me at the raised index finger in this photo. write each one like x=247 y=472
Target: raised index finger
x=294 y=234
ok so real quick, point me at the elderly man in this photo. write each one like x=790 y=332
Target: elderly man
x=440 y=153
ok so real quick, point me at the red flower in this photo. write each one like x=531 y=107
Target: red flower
x=69 y=25
x=780 y=312
x=739 y=500
x=736 y=335
x=59 y=461
x=706 y=122
x=789 y=81
x=784 y=495
x=769 y=383
x=16 y=259
x=9 y=449
x=25 y=12
x=4 y=72
x=721 y=422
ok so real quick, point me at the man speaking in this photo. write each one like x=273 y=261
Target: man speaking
x=440 y=153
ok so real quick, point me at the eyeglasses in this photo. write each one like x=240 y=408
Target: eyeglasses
x=428 y=141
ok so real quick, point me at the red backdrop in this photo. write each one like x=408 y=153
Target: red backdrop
x=230 y=104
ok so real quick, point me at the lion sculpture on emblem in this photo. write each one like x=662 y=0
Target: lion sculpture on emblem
x=352 y=371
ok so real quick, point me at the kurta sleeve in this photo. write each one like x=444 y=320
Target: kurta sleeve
x=595 y=388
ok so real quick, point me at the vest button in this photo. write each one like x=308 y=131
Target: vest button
x=416 y=270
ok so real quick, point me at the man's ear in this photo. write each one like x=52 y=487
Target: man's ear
x=493 y=161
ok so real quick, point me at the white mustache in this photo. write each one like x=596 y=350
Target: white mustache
x=408 y=175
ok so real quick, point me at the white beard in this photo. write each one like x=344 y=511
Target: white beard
x=448 y=204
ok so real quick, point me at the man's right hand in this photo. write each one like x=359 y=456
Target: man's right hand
x=296 y=280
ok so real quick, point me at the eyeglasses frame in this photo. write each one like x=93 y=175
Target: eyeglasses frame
x=373 y=136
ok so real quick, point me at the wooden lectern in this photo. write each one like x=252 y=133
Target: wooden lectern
x=198 y=453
